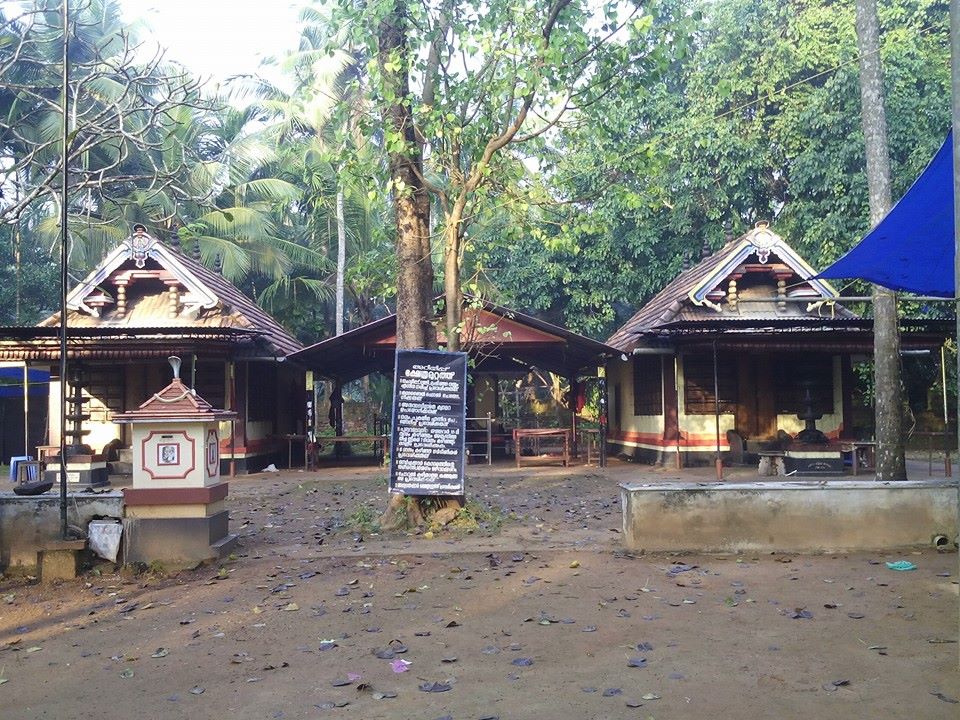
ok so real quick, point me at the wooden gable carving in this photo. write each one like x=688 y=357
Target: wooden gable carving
x=760 y=252
x=130 y=263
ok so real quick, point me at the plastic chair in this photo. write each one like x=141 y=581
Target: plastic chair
x=14 y=462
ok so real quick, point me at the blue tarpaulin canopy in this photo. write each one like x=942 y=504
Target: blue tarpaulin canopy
x=911 y=249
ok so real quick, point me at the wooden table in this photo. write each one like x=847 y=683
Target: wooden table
x=382 y=440
x=519 y=434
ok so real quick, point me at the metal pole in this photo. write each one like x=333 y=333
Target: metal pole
x=602 y=449
x=718 y=462
x=26 y=410
x=64 y=254
x=947 y=468
x=489 y=439
x=955 y=113
x=231 y=370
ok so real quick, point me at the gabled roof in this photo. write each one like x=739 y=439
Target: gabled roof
x=498 y=338
x=206 y=299
x=698 y=293
x=175 y=402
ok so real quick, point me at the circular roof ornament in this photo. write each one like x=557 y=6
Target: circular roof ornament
x=764 y=240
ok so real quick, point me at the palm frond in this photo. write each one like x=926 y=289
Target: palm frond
x=238 y=223
x=286 y=288
x=235 y=260
x=271 y=189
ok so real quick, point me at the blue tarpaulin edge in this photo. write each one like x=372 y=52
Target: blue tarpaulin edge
x=911 y=249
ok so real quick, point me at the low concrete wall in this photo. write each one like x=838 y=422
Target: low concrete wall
x=26 y=523
x=787 y=516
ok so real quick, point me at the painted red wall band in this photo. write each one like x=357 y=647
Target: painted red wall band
x=706 y=441
x=175 y=496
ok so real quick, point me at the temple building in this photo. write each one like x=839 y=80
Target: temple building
x=145 y=302
x=731 y=353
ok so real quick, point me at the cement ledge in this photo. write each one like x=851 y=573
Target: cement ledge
x=6 y=495
x=811 y=484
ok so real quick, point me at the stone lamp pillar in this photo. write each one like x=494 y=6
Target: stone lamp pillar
x=175 y=512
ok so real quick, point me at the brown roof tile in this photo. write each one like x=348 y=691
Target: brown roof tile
x=673 y=304
x=150 y=309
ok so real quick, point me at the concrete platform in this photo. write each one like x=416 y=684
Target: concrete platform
x=28 y=524
x=791 y=516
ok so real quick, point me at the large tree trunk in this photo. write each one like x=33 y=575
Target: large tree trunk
x=415 y=327
x=886 y=338
x=341 y=258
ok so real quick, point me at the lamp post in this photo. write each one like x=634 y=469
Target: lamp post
x=63 y=273
x=955 y=115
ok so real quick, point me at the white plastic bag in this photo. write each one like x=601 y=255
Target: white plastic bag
x=103 y=536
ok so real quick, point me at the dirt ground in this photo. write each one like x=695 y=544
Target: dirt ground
x=540 y=614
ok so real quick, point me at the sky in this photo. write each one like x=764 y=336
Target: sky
x=217 y=38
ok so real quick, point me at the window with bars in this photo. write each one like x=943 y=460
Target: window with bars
x=647 y=385
x=698 y=386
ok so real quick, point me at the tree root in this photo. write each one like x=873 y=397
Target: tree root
x=407 y=512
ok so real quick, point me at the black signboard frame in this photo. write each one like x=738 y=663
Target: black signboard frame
x=415 y=469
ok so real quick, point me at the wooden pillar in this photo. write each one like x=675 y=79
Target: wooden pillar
x=572 y=407
x=673 y=403
x=671 y=408
x=602 y=376
x=846 y=392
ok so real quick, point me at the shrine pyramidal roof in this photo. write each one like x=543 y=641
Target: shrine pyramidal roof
x=756 y=277
x=144 y=283
x=176 y=402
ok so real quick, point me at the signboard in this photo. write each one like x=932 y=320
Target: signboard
x=429 y=422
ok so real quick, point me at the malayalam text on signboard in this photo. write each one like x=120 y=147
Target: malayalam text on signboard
x=429 y=422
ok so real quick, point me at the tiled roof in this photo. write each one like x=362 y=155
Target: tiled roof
x=282 y=342
x=674 y=303
x=222 y=305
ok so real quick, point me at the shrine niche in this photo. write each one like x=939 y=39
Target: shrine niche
x=175 y=510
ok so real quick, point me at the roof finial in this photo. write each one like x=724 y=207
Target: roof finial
x=727 y=232
x=175 y=237
x=175 y=364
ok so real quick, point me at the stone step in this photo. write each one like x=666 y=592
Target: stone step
x=224 y=546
